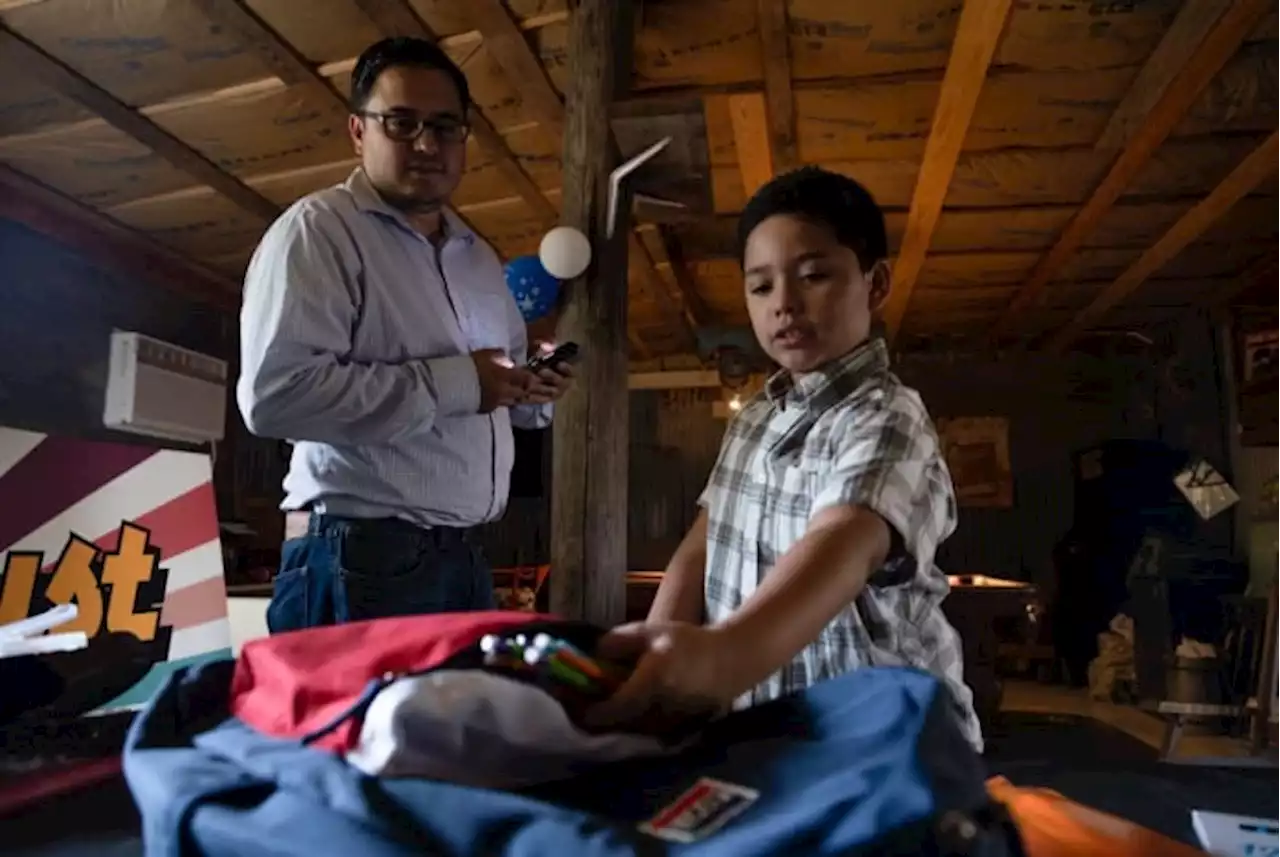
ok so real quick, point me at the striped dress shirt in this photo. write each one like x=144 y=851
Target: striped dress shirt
x=355 y=336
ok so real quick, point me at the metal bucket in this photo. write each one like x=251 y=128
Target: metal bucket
x=1198 y=681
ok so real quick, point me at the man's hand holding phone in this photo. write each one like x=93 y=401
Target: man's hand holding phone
x=544 y=379
x=552 y=370
x=502 y=383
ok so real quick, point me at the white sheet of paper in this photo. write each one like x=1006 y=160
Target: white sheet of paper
x=1225 y=835
x=1205 y=489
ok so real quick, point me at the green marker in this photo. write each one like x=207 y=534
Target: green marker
x=563 y=672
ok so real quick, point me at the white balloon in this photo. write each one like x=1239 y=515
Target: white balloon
x=565 y=252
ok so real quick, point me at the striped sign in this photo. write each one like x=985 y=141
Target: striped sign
x=130 y=535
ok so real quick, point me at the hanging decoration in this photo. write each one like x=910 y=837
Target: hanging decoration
x=565 y=252
x=533 y=286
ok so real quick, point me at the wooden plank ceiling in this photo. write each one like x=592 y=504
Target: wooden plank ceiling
x=1047 y=169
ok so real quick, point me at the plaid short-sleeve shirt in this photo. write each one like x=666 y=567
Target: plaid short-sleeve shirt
x=849 y=434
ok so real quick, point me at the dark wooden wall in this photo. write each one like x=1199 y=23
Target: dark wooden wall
x=57 y=311
x=1056 y=406
x=57 y=315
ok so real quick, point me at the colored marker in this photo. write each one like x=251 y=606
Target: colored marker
x=581 y=664
x=562 y=672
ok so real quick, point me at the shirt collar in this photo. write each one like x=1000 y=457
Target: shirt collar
x=840 y=376
x=368 y=200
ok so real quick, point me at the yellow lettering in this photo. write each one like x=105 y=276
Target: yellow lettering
x=130 y=566
x=73 y=580
x=19 y=582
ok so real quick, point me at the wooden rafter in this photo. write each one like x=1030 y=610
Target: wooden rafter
x=495 y=148
x=22 y=56
x=509 y=47
x=1260 y=164
x=107 y=242
x=1212 y=53
x=749 y=117
x=284 y=60
x=692 y=304
x=645 y=100
x=1173 y=53
x=780 y=103
x=1265 y=270
x=977 y=35
x=658 y=284
x=764 y=119
x=394 y=18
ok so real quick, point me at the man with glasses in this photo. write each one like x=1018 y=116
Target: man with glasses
x=378 y=336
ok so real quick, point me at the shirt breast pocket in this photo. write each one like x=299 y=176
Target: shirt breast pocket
x=488 y=322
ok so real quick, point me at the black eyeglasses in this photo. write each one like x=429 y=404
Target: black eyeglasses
x=407 y=127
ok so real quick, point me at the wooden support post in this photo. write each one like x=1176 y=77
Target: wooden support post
x=590 y=433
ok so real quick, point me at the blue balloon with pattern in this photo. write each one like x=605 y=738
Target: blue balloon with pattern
x=533 y=287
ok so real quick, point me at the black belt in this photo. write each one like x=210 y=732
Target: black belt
x=300 y=523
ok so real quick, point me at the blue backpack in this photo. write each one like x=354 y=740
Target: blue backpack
x=871 y=763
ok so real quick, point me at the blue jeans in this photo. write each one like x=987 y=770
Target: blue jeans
x=350 y=569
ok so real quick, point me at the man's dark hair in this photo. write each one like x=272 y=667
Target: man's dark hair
x=828 y=199
x=402 y=51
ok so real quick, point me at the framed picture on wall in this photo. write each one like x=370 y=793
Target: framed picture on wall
x=977 y=453
x=1260 y=354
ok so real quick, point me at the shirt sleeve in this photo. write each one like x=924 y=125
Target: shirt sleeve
x=524 y=416
x=298 y=378
x=886 y=458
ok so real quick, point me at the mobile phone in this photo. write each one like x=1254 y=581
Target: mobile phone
x=566 y=353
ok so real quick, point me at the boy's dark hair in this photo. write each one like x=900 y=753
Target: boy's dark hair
x=829 y=199
x=402 y=51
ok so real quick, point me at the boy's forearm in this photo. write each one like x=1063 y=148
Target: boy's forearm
x=821 y=575
x=680 y=596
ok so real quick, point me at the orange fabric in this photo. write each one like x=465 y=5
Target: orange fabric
x=1052 y=825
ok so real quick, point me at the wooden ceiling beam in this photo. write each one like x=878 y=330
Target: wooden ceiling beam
x=749 y=116
x=395 y=19
x=455 y=43
x=764 y=120
x=658 y=285
x=780 y=102
x=1265 y=270
x=1217 y=46
x=643 y=102
x=23 y=57
x=692 y=304
x=524 y=70
x=495 y=148
x=1256 y=168
x=284 y=60
x=1175 y=50
x=978 y=33
x=111 y=245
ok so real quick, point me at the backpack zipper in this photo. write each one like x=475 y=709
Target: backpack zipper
x=471 y=657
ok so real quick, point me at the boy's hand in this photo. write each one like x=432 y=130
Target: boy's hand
x=682 y=672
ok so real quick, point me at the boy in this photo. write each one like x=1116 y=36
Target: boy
x=813 y=551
